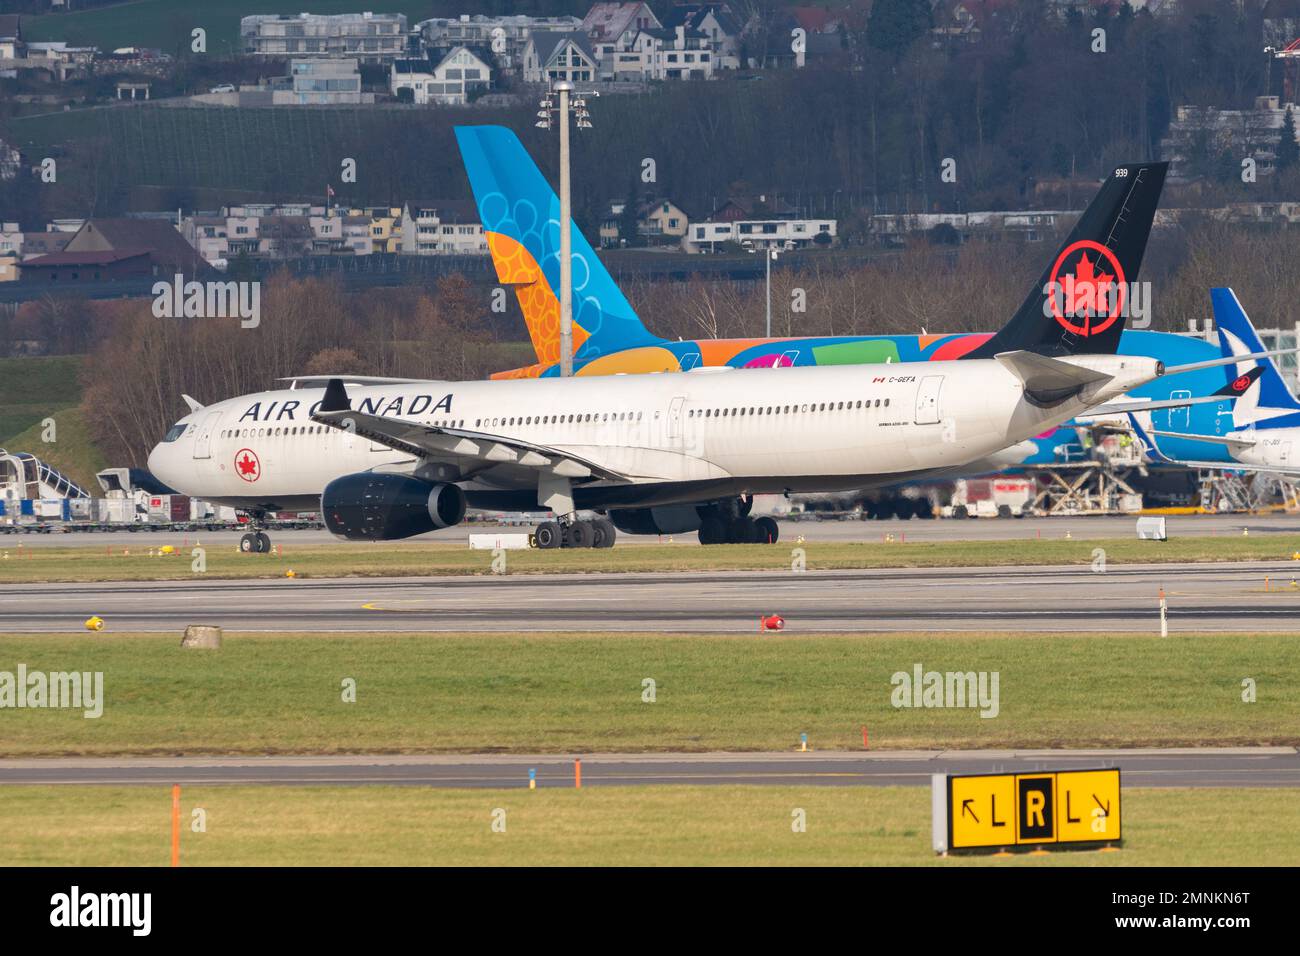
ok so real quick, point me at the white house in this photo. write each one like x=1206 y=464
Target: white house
x=617 y=24
x=442 y=227
x=560 y=56
x=331 y=81
x=506 y=36
x=676 y=54
x=448 y=79
x=761 y=233
x=718 y=23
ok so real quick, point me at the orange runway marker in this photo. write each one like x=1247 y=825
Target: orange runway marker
x=577 y=773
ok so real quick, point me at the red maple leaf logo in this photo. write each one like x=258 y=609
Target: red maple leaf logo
x=247 y=464
x=1089 y=292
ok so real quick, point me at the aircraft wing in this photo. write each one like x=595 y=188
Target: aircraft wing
x=468 y=451
x=1232 y=444
x=1124 y=408
x=1233 y=390
x=1145 y=437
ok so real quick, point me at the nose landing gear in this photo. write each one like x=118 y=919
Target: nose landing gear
x=256 y=541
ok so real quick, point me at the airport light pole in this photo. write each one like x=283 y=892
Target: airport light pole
x=563 y=91
x=769 y=256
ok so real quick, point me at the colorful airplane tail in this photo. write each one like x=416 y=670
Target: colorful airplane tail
x=1271 y=404
x=1080 y=303
x=521 y=217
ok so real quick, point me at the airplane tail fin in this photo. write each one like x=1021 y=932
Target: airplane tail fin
x=1263 y=406
x=1080 y=303
x=521 y=217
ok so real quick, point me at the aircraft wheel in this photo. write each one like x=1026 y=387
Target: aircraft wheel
x=581 y=534
x=248 y=544
x=768 y=530
x=904 y=509
x=606 y=533
x=712 y=531
x=548 y=535
x=742 y=531
x=263 y=543
x=884 y=510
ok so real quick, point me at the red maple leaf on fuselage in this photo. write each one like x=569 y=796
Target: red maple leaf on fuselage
x=247 y=466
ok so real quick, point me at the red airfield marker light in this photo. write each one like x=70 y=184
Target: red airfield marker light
x=771 y=622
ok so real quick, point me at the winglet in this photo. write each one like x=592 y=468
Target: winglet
x=336 y=397
x=195 y=406
x=1242 y=383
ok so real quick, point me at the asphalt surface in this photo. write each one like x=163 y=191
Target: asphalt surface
x=1201 y=597
x=1228 y=767
x=982 y=529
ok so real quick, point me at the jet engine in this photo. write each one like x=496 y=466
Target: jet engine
x=383 y=507
x=673 y=519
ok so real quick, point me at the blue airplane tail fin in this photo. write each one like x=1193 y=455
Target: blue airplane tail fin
x=521 y=217
x=1271 y=400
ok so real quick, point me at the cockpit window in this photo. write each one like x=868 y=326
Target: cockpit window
x=175 y=432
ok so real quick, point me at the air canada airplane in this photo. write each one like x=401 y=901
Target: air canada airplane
x=385 y=459
x=521 y=219
x=1265 y=427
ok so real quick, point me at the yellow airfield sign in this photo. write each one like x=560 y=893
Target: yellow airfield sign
x=992 y=811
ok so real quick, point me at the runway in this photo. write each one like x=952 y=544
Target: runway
x=1228 y=767
x=1225 y=597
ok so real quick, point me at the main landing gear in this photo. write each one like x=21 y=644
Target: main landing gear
x=730 y=523
x=596 y=533
x=715 y=529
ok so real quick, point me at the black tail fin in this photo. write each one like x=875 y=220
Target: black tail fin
x=1080 y=303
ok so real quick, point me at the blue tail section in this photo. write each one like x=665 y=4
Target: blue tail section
x=521 y=215
x=1270 y=404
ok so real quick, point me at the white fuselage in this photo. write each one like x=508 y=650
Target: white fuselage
x=1272 y=448
x=673 y=436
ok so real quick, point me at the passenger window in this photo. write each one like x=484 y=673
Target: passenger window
x=886 y=403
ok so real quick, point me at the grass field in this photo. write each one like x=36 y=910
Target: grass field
x=34 y=388
x=397 y=559
x=582 y=693
x=332 y=826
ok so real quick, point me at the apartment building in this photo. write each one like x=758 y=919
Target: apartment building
x=368 y=37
